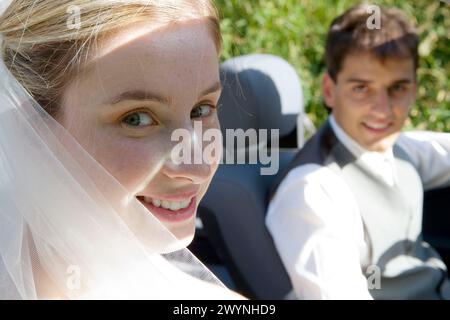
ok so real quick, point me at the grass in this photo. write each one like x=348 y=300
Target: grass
x=296 y=29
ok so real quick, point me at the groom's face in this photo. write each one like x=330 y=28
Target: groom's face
x=371 y=99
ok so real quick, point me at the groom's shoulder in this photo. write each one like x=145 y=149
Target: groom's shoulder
x=314 y=153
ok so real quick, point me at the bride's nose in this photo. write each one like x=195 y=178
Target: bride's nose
x=193 y=173
x=190 y=164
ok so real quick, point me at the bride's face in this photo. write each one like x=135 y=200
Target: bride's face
x=143 y=84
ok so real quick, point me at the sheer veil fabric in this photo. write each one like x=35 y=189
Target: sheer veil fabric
x=68 y=229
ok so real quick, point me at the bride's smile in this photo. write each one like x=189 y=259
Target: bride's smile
x=172 y=207
x=171 y=211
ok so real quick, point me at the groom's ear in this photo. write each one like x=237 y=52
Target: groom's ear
x=328 y=90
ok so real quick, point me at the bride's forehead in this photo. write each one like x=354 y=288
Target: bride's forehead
x=169 y=48
x=157 y=39
x=179 y=64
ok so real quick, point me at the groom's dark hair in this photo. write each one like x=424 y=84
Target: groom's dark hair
x=351 y=33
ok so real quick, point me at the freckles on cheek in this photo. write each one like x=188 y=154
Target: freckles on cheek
x=133 y=162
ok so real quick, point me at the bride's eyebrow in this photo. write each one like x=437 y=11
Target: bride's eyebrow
x=212 y=89
x=141 y=95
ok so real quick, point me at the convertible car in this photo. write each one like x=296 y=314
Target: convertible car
x=264 y=92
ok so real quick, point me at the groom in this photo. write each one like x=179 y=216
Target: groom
x=347 y=216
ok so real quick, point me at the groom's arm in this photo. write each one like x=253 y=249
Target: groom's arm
x=318 y=232
x=430 y=152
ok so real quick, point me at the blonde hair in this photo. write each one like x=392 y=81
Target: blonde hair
x=43 y=53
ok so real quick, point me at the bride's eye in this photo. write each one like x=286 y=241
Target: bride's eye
x=202 y=111
x=138 y=119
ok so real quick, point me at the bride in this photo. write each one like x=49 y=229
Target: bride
x=91 y=204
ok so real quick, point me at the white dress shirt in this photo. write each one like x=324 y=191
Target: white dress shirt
x=316 y=224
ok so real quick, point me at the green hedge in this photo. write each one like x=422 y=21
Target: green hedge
x=296 y=29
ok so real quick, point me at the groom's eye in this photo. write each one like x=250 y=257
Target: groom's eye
x=138 y=119
x=360 y=88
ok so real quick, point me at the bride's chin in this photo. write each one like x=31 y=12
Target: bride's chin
x=186 y=241
x=183 y=231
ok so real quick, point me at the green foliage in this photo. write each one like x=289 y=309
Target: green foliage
x=296 y=29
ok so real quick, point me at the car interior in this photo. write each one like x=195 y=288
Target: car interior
x=264 y=92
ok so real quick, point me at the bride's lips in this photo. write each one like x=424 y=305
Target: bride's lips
x=169 y=215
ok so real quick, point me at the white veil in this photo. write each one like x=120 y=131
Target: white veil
x=68 y=229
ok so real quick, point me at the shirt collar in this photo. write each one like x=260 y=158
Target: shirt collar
x=381 y=164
